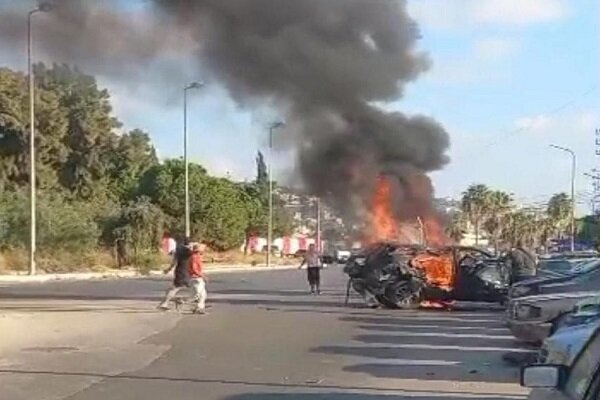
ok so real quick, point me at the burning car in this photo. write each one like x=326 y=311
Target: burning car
x=398 y=276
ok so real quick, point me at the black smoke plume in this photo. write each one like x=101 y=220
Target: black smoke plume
x=325 y=65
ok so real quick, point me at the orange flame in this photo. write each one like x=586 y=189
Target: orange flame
x=383 y=222
x=438 y=268
x=434 y=233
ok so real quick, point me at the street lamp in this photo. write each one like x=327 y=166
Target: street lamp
x=42 y=7
x=272 y=127
x=193 y=85
x=573 y=171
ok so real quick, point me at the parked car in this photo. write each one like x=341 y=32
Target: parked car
x=583 y=277
x=531 y=318
x=342 y=256
x=556 y=267
x=586 y=311
x=573 y=368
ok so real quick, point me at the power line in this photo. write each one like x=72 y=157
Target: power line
x=551 y=112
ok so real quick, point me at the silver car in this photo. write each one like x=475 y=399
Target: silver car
x=530 y=318
x=572 y=368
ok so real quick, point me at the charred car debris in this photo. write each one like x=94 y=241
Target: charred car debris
x=400 y=276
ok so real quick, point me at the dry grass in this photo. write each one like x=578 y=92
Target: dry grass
x=95 y=260
x=238 y=257
x=100 y=260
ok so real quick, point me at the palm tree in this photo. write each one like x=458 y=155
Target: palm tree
x=559 y=212
x=457 y=227
x=522 y=228
x=499 y=205
x=475 y=204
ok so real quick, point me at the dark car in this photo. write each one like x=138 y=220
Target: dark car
x=556 y=267
x=396 y=275
x=584 y=277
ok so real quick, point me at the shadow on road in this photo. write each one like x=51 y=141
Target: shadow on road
x=339 y=392
x=459 y=347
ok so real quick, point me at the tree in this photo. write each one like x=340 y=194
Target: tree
x=559 y=212
x=220 y=210
x=62 y=224
x=475 y=204
x=133 y=156
x=499 y=204
x=51 y=129
x=457 y=227
x=90 y=136
x=142 y=225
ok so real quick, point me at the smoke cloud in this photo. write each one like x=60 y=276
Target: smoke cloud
x=323 y=64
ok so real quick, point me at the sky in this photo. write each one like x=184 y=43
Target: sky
x=509 y=78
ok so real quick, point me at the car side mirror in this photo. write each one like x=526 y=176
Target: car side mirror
x=547 y=376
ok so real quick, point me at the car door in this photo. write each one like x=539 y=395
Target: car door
x=584 y=378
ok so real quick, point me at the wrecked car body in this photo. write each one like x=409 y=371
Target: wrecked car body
x=399 y=276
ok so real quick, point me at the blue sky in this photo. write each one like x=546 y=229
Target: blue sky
x=509 y=77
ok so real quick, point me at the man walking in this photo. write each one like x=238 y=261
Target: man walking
x=197 y=278
x=313 y=269
x=181 y=263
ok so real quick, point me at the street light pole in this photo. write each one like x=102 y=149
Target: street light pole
x=318 y=244
x=272 y=127
x=43 y=7
x=193 y=85
x=573 y=172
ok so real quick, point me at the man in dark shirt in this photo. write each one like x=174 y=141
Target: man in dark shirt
x=181 y=263
x=522 y=264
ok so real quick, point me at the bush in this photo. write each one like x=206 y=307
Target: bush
x=61 y=224
x=146 y=261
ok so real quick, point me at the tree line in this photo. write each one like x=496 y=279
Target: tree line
x=97 y=184
x=495 y=214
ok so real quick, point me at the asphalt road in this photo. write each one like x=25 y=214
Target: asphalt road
x=265 y=337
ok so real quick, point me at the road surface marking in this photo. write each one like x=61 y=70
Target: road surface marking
x=444 y=347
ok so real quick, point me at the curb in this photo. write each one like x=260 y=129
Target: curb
x=83 y=276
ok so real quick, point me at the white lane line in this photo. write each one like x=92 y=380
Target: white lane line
x=401 y=334
x=443 y=347
x=387 y=327
x=431 y=327
x=425 y=363
x=452 y=319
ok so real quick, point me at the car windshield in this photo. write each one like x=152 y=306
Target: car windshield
x=586 y=267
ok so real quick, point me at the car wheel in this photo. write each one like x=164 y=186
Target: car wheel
x=400 y=295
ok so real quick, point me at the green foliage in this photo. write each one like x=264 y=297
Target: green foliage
x=457 y=227
x=474 y=204
x=62 y=224
x=589 y=229
x=96 y=184
x=141 y=224
x=559 y=210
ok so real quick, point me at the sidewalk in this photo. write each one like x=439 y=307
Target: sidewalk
x=123 y=274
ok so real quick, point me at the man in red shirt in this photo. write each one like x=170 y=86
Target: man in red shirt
x=197 y=279
x=189 y=272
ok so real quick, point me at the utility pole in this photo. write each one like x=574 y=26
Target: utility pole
x=272 y=127
x=318 y=244
x=573 y=172
x=42 y=7
x=193 y=85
